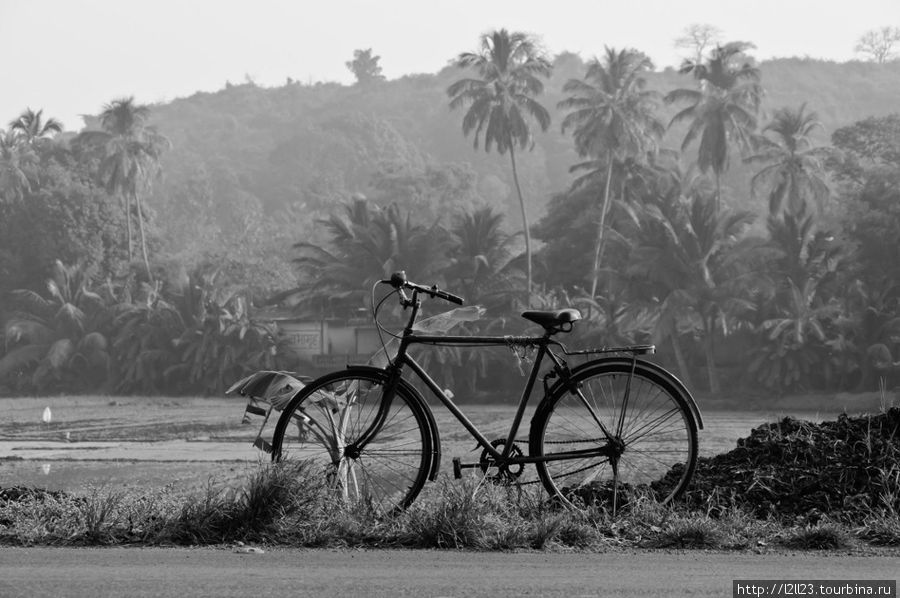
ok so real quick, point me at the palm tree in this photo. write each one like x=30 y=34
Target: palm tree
x=795 y=349
x=145 y=331
x=800 y=251
x=483 y=268
x=32 y=127
x=13 y=161
x=793 y=169
x=221 y=342
x=613 y=118
x=131 y=151
x=801 y=314
x=501 y=103
x=723 y=110
x=366 y=245
x=59 y=339
x=689 y=248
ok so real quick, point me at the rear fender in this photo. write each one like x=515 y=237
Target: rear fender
x=669 y=377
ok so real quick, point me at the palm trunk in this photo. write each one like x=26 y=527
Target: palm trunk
x=525 y=224
x=718 y=192
x=680 y=360
x=598 y=250
x=710 y=354
x=140 y=215
x=128 y=224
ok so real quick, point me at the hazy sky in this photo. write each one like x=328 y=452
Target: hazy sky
x=71 y=56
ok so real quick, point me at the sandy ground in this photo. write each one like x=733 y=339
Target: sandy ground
x=138 y=442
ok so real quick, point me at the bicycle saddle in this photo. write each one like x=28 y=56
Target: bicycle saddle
x=553 y=319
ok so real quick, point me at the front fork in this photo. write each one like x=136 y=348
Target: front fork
x=354 y=449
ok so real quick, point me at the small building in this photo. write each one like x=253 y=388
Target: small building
x=324 y=345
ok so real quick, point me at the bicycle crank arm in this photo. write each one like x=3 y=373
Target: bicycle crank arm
x=458 y=466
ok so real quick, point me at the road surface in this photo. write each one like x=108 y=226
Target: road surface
x=223 y=573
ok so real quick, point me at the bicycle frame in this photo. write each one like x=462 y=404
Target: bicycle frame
x=543 y=344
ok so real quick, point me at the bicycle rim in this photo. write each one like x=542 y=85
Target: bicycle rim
x=651 y=445
x=322 y=425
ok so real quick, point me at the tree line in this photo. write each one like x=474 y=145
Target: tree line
x=647 y=240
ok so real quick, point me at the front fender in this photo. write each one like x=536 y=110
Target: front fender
x=429 y=416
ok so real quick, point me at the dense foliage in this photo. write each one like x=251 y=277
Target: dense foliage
x=753 y=238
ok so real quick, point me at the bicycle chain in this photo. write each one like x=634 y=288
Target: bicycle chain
x=569 y=473
x=601 y=439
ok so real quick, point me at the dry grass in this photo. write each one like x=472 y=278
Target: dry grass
x=288 y=505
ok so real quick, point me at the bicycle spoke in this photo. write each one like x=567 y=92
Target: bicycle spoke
x=390 y=469
x=655 y=435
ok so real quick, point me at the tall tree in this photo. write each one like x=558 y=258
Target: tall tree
x=801 y=315
x=613 y=117
x=31 y=127
x=793 y=170
x=130 y=154
x=501 y=103
x=13 y=161
x=878 y=44
x=690 y=249
x=365 y=67
x=723 y=110
x=697 y=38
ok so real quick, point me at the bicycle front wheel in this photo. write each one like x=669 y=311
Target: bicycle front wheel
x=613 y=434
x=324 y=423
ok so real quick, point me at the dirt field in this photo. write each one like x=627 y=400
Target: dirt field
x=150 y=442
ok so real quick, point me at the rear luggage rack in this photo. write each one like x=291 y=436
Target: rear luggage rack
x=633 y=349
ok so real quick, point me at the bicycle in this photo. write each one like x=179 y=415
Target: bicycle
x=616 y=423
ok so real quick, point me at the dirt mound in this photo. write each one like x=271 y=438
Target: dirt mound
x=17 y=493
x=792 y=469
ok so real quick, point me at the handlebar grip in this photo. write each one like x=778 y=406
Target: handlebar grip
x=398 y=280
x=448 y=297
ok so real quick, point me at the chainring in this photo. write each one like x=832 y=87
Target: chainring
x=506 y=473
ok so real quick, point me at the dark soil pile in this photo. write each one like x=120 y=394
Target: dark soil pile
x=793 y=469
x=17 y=493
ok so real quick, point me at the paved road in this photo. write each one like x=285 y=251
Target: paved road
x=182 y=573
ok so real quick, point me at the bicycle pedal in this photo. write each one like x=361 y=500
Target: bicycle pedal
x=458 y=466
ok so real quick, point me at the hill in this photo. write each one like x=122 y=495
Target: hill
x=246 y=154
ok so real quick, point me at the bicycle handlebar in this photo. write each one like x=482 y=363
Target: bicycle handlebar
x=398 y=281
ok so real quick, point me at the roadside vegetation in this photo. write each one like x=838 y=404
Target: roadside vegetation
x=784 y=486
x=742 y=216
x=739 y=215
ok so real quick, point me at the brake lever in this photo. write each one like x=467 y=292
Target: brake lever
x=404 y=300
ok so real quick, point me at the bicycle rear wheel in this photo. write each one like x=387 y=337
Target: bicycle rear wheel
x=324 y=422
x=603 y=448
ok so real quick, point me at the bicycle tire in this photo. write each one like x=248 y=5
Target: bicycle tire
x=656 y=439
x=332 y=412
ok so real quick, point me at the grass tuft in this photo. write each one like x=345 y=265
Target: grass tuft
x=275 y=492
x=461 y=515
x=824 y=536
x=882 y=529
x=688 y=532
